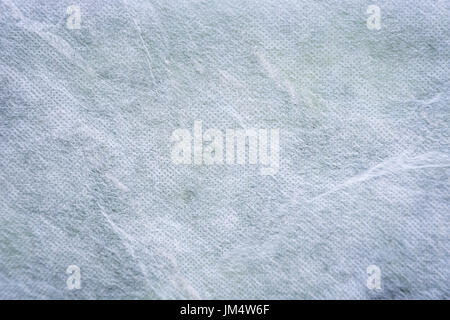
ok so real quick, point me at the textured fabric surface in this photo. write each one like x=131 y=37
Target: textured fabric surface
x=86 y=177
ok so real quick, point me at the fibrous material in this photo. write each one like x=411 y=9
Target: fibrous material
x=91 y=92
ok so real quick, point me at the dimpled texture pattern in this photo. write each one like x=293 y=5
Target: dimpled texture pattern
x=86 y=176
